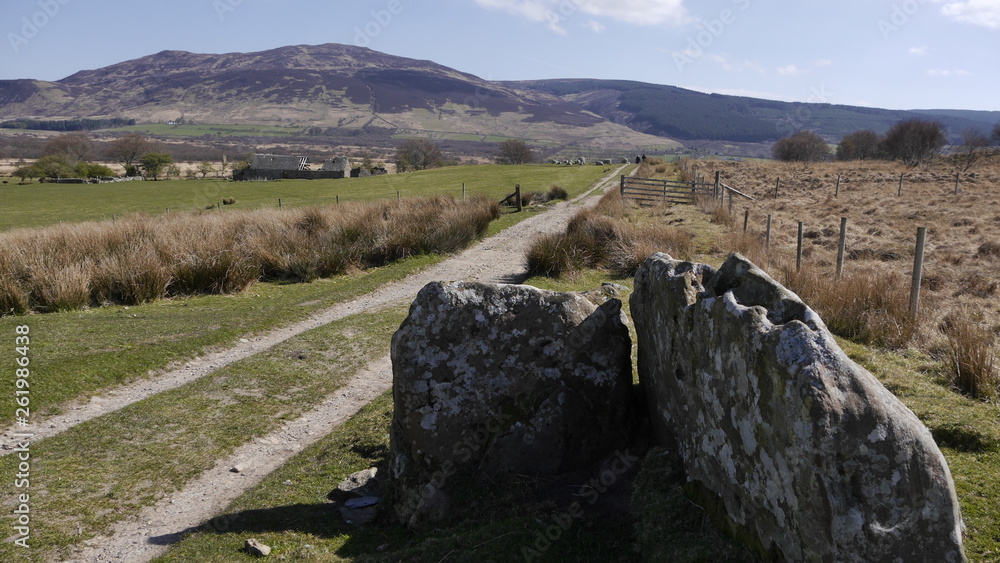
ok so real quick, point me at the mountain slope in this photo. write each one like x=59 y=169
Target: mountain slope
x=690 y=115
x=326 y=85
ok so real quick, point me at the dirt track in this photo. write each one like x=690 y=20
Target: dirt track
x=497 y=259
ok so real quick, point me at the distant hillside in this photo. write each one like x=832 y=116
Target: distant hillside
x=350 y=89
x=332 y=85
x=689 y=115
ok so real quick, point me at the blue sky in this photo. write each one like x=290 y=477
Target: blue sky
x=900 y=54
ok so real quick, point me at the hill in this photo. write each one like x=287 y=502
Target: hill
x=690 y=115
x=342 y=90
x=330 y=86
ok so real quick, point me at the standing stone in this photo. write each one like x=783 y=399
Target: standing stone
x=339 y=164
x=805 y=450
x=491 y=379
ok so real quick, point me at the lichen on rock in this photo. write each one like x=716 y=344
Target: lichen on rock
x=493 y=378
x=805 y=450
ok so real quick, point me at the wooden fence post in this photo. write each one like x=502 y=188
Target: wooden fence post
x=900 y=192
x=517 y=196
x=918 y=270
x=777 y=184
x=958 y=176
x=842 y=246
x=279 y=203
x=767 y=235
x=798 y=250
x=622 y=188
x=836 y=193
x=718 y=180
x=398 y=196
x=746 y=215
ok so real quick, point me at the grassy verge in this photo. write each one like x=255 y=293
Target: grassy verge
x=79 y=353
x=37 y=204
x=107 y=469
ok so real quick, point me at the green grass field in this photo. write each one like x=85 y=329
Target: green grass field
x=37 y=205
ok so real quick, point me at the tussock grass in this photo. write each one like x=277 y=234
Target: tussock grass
x=866 y=307
x=970 y=356
x=141 y=259
x=608 y=236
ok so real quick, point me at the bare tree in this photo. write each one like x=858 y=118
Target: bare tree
x=974 y=147
x=74 y=148
x=801 y=146
x=913 y=141
x=514 y=151
x=418 y=154
x=127 y=151
x=859 y=145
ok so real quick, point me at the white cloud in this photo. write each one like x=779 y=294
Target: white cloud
x=789 y=70
x=555 y=13
x=977 y=12
x=729 y=65
x=946 y=72
x=821 y=63
x=595 y=26
x=919 y=51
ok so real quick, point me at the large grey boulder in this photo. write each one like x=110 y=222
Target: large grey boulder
x=806 y=450
x=492 y=379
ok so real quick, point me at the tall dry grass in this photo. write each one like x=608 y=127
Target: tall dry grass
x=970 y=355
x=141 y=258
x=611 y=236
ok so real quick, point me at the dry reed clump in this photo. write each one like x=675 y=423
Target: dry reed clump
x=970 y=355
x=868 y=307
x=602 y=237
x=141 y=259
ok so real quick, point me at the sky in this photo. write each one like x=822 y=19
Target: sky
x=897 y=54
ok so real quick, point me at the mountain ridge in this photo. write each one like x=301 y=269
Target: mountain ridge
x=350 y=87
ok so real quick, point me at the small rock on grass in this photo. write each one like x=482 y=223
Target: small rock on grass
x=255 y=548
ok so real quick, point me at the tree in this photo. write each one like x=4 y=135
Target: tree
x=996 y=133
x=514 y=151
x=25 y=171
x=913 y=141
x=974 y=147
x=801 y=146
x=154 y=163
x=859 y=145
x=73 y=148
x=53 y=166
x=91 y=170
x=206 y=168
x=418 y=154
x=127 y=151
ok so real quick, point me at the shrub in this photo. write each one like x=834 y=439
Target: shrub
x=557 y=192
